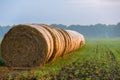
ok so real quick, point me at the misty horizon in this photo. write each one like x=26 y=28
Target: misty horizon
x=89 y=31
x=61 y=24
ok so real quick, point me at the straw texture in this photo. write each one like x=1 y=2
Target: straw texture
x=32 y=45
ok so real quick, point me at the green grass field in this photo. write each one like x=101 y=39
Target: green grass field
x=99 y=59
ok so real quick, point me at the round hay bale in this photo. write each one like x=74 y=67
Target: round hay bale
x=32 y=45
x=67 y=39
x=27 y=46
x=50 y=35
x=83 y=40
x=76 y=39
x=59 y=42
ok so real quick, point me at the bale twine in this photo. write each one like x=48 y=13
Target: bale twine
x=32 y=45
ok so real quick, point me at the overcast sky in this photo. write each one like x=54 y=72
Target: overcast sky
x=68 y=12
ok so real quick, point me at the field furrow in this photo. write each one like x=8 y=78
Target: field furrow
x=99 y=59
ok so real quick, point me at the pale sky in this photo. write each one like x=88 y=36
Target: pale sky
x=67 y=12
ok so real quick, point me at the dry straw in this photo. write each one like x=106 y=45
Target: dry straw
x=32 y=45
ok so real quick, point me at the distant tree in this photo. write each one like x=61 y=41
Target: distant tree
x=117 y=30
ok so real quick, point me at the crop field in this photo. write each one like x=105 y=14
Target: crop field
x=98 y=59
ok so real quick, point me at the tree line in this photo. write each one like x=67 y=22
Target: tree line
x=94 y=31
x=89 y=31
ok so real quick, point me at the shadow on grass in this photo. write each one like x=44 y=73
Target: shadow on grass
x=1 y=62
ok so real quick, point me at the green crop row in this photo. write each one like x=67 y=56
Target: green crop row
x=98 y=59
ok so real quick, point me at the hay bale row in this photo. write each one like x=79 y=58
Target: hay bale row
x=77 y=40
x=32 y=45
